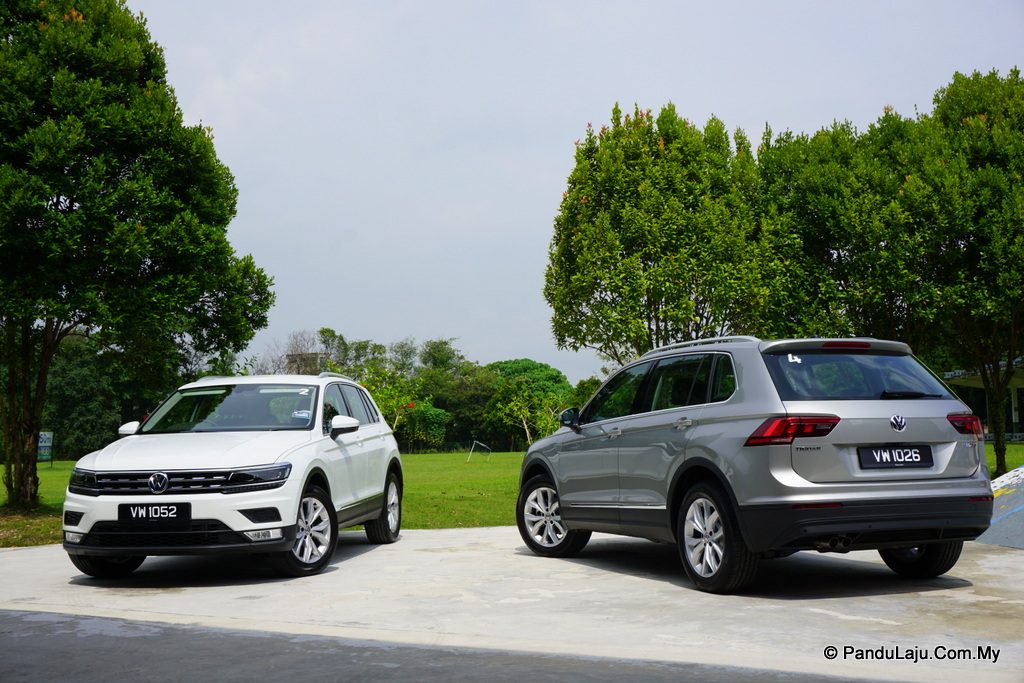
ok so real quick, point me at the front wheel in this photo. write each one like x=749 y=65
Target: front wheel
x=116 y=567
x=316 y=536
x=713 y=552
x=539 y=518
x=385 y=528
x=923 y=562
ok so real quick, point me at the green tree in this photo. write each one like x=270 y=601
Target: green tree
x=971 y=185
x=113 y=213
x=426 y=426
x=528 y=396
x=655 y=240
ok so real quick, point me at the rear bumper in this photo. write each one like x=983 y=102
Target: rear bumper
x=864 y=524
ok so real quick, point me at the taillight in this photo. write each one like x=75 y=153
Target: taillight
x=966 y=424
x=782 y=430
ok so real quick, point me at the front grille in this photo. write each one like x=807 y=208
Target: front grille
x=137 y=483
x=201 y=532
x=73 y=518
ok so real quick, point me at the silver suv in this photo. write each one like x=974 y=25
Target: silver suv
x=738 y=449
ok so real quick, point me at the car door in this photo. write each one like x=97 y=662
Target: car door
x=340 y=454
x=655 y=440
x=371 y=435
x=587 y=463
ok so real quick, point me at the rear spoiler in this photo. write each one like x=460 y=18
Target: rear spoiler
x=837 y=344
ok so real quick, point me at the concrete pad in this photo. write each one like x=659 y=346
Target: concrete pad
x=620 y=598
x=1007 y=511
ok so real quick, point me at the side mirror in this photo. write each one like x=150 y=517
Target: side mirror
x=570 y=417
x=343 y=424
x=128 y=428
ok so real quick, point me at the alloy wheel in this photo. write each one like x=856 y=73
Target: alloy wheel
x=704 y=537
x=543 y=517
x=313 y=533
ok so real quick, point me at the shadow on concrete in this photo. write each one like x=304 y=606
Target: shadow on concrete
x=191 y=571
x=802 y=576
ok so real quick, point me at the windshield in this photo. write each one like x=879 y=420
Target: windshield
x=814 y=375
x=235 y=407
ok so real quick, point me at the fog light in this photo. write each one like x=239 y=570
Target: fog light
x=72 y=537
x=264 y=534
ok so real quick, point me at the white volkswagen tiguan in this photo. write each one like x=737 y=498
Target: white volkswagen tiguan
x=263 y=464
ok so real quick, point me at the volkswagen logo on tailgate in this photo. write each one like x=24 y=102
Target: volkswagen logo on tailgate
x=898 y=422
x=158 y=481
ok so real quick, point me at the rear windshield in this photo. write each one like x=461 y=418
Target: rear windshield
x=814 y=375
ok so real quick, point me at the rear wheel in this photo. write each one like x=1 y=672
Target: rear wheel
x=923 y=562
x=316 y=536
x=385 y=528
x=713 y=552
x=539 y=518
x=116 y=567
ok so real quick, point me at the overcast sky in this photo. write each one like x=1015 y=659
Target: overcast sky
x=399 y=164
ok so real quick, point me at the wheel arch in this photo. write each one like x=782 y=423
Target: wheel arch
x=395 y=465
x=317 y=477
x=535 y=467
x=692 y=472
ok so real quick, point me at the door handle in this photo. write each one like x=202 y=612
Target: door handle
x=614 y=433
x=683 y=423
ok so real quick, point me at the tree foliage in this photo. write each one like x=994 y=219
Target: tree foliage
x=655 y=239
x=910 y=230
x=113 y=212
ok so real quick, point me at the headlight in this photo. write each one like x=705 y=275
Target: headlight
x=257 y=479
x=84 y=482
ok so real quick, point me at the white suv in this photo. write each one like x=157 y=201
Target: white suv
x=263 y=464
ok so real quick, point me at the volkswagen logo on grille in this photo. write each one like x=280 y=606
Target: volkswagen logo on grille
x=898 y=422
x=158 y=482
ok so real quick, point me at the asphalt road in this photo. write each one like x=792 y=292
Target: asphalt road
x=58 y=647
x=470 y=604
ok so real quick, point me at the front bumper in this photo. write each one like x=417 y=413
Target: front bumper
x=204 y=537
x=218 y=524
x=864 y=525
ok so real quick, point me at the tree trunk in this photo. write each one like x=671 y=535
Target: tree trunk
x=27 y=352
x=996 y=378
x=997 y=423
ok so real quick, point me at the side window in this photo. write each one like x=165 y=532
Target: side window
x=618 y=396
x=724 y=382
x=679 y=382
x=334 y=404
x=370 y=409
x=355 y=402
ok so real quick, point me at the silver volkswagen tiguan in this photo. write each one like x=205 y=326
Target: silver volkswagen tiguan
x=738 y=449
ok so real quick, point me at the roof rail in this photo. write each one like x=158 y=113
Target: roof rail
x=701 y=342
x=335 y=374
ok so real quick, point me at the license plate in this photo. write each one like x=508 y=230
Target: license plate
x=167 y=515
x=894 y=457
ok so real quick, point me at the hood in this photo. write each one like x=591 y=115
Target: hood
x=194 y=451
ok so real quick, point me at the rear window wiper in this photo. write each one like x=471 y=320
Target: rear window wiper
x=907 y=394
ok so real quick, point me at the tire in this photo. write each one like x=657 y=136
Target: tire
x=116 y=567
x=711 y=547
x=923 y=562
x=539 y=518
x=316 y=536
x=385 y=529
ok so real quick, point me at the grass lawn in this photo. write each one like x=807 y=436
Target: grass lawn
x=442 y=490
